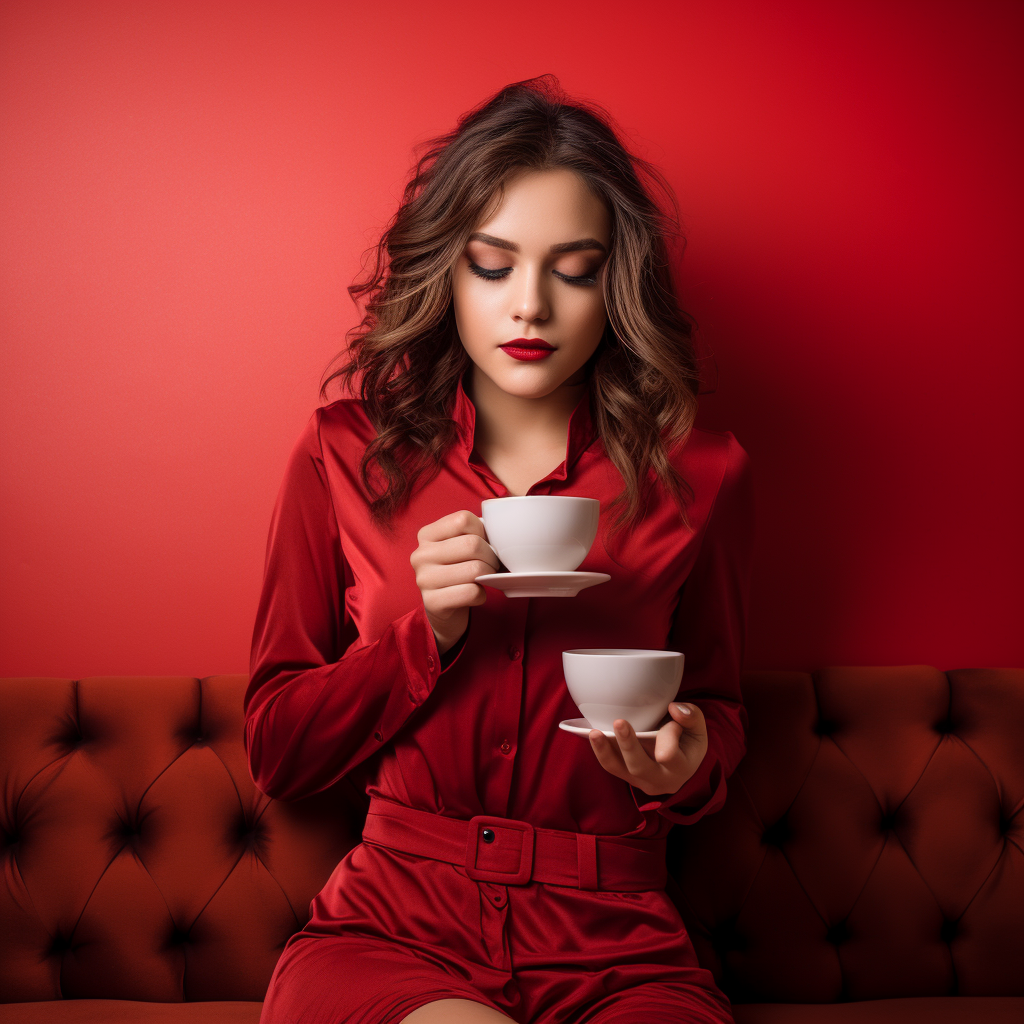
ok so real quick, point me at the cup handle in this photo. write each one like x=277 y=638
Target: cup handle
x=501 y=565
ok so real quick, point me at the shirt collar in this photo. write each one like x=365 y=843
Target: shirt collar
x=582 y=431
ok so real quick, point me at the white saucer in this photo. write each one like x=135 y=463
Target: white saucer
x=581 y=727
x=542 y=584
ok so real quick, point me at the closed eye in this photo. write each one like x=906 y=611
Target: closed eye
x=503 y=272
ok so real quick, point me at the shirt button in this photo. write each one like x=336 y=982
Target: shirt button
x=378 y=736
x=513 y=651
x=430 y=661
x=505 y=746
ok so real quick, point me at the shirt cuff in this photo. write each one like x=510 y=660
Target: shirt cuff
x=415 y=638
x=423 y=662
x=452 y=654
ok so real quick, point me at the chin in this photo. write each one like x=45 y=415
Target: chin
x=531 y=382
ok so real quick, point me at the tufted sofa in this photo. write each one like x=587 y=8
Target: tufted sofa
x=867 y=865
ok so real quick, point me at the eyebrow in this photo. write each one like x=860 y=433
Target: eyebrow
x=503 y=243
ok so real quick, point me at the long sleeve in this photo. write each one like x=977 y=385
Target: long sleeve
x=709 y=627
x=317 y=703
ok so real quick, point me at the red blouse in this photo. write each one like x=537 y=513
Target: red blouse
x=345 y=674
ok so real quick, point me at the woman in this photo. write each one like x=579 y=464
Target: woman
x=509 y=869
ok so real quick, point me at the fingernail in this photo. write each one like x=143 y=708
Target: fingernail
x=682 y=707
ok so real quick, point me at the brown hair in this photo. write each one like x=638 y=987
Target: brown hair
x=643 y=376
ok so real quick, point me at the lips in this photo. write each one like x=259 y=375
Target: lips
x=528 y=350
x=531 y=343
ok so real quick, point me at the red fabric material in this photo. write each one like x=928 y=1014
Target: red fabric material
x=514 y=852
x=346 y=678
x=138 y=860
x=923 y=1010
x=391 y=931
x=871 y=845
x=129 y=1011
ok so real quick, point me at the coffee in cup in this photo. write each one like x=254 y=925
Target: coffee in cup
x=540 y=532
x=611 y=683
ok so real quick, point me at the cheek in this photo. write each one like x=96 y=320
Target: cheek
x=476 y=299
x=474 y=312
x=589 y=311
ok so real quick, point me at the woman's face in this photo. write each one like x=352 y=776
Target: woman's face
x=532 y=290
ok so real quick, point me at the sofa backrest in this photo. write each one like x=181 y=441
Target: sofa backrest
x=871 y=841
x=870 y=844
x=140 y=860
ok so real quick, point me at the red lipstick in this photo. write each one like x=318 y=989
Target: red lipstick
x=527 y=348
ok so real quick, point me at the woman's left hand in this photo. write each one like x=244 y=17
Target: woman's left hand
x=677 y=751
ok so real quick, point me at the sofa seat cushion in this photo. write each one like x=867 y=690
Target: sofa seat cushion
x=129 y=1011
x=920 y=1010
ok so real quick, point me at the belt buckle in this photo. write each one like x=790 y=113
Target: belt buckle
x=526 y=837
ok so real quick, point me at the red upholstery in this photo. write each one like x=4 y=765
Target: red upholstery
x=871 y=843
x=870 y=849
x=140 y=861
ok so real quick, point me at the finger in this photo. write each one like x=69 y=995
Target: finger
x=452 y=525
x=690 y=717
x=607 y=752
x=637 y=760
x=451 y=599
x=437 y=576
x=693 y=738
x=666 y=744
x=466 y=547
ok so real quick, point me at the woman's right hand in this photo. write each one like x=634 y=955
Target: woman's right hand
x=452 y=552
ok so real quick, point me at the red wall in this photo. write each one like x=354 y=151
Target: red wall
x=187 y=189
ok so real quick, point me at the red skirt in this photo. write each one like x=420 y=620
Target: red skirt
x=394 y=929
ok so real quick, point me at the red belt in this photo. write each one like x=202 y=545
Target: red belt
x=512 y=852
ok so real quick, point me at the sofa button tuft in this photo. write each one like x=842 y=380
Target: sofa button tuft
x=249 y=833
x=126 y=831
x=725 y=938
x=777 y=834
x=838 y=933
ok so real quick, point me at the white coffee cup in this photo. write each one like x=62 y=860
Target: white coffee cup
x=540 y=532
x=609 y=683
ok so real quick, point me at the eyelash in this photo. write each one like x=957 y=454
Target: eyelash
x=498 y=275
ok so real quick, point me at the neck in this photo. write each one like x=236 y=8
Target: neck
x=510 y=423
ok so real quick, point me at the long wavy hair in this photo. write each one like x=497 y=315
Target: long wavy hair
x=643 y=376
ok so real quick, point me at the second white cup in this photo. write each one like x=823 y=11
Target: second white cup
x=608 y=683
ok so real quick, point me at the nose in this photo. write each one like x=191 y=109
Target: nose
x=530 y=300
